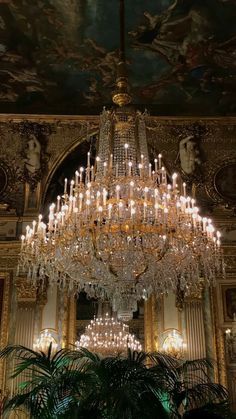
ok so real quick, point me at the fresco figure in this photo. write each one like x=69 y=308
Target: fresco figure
x=33 y=153
x=189 y=155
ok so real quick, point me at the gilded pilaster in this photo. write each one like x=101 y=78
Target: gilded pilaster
x=4 y=276
x=219 y=345
x=150 y=325
x=71 y=321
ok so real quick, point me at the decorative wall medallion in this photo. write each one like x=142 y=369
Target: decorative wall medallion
x=221 y=181
x=225 y=182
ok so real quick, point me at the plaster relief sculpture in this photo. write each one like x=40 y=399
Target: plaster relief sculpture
x=189 y=155
x=33 y=155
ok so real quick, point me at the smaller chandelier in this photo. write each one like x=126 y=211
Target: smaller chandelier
x=44 y=340
x=107 y=336
x=230 y=341
x=174 y=344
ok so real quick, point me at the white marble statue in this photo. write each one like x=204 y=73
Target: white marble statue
x=33 y=152
x=189 y=154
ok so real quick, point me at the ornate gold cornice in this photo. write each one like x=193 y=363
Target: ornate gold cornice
x=95 y=118
x=47 y=118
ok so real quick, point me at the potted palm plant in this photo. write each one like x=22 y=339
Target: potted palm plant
x=81 y=384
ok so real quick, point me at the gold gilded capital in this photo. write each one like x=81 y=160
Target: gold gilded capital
x=26 y=292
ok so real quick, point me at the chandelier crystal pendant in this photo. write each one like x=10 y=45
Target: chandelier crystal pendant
x=122 y=230
x=107 y=336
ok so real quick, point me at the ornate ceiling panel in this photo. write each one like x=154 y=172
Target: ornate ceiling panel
x=60 y=56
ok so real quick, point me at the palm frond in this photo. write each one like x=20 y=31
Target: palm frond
x=17 y=351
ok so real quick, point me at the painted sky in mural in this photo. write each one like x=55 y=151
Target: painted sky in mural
x=59 y=56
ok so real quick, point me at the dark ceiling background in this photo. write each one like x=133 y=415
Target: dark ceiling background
x=59 y=56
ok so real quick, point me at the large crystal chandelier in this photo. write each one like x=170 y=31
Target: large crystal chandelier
x=123 y=229
x=107 y=336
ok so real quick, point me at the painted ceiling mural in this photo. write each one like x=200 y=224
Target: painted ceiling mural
x=59 y=56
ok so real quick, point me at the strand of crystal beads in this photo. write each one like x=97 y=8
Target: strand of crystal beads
x=120 y=231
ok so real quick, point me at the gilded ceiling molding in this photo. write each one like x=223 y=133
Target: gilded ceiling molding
x=167 y=120
x=47 y=118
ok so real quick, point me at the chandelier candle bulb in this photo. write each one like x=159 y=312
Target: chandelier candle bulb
x=163 y=176
x=140 y=166
x=130 y=167
x=111 y=162
x=88 y=159
x=22 y=241
x=65 y=186
x=76 y=178
x=58 y=203
x=71 y=187
x=34 y=225
x=184 y=189
x=39 y=222
x=159 y=160
x=155 y=163
x=150 y=170
x=174 y=177
x=117 y=192
x=126 y=146
x=104 y=168
x=81 y=175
